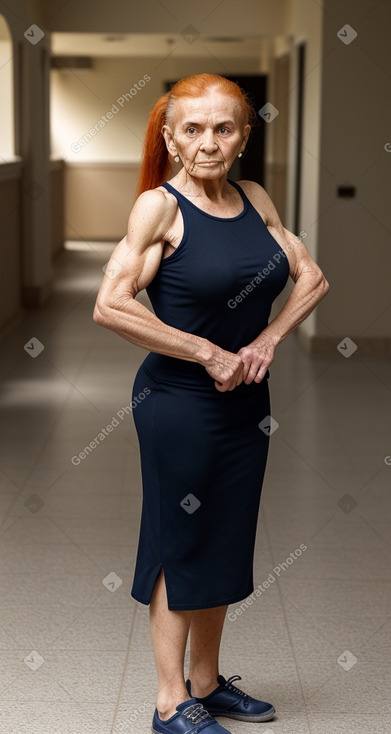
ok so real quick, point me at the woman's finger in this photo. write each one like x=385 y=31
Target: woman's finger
x=246 y=361
x=261 y=372
x=257 y=370
x=253 y=368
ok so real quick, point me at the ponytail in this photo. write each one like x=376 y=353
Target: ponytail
x=155 y=163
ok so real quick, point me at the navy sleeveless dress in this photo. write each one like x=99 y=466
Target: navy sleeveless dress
x=203 y=454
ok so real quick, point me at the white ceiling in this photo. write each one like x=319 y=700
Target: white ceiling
x=153 y=44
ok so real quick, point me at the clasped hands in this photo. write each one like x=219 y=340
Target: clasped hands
x=249 y=364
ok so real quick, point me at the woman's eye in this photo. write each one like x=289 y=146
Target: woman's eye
x=191 y=130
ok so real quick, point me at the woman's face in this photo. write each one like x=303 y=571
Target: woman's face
x=207 y=134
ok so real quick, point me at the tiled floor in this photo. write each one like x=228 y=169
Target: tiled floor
x=76 y=658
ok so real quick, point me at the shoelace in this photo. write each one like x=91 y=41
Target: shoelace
x=195 y=712
x=233 y=688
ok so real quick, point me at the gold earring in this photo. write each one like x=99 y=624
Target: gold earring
x=240 y=155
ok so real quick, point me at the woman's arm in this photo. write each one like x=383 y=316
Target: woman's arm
x=310 y=283
x=310 y=287
x=131 y=268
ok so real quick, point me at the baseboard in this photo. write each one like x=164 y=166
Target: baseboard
x=35 y=296
x=11 y=325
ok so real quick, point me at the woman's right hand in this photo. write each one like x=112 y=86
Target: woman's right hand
x=226 y=368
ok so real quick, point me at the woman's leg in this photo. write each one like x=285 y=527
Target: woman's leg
x=169 y=631
x=206 y=628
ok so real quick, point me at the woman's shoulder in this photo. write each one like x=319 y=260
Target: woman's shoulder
x=154 y=208
x=157 y=197
x=252 y=187
x=157 y=202
x=258 y=197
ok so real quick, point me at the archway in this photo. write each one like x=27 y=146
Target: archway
x=7 y=139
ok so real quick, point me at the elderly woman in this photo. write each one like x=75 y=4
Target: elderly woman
x=212 y=255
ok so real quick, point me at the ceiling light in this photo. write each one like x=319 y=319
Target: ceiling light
x=224 y=39
x=114 y=38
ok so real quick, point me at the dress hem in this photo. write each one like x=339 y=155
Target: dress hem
x=179 y=607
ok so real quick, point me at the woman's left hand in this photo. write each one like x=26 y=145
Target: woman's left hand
x=257 y=357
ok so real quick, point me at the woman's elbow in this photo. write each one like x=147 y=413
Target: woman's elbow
x=101 y=314
x=321 y=283
x=325 y=285
x=322 y=288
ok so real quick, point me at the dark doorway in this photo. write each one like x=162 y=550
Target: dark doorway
x=299 y=123
x=252 y=165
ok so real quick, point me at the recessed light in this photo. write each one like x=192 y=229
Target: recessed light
x=224 y=39
x=113 y=39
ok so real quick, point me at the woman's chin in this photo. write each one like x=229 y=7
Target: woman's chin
x=208 y=172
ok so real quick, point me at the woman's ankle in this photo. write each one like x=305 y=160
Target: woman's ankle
x=203 y=685
x=166 y=705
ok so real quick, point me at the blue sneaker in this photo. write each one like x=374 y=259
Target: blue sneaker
x=228 y=700
x=190 y=719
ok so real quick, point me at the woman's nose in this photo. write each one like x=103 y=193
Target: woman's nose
x=208 y=142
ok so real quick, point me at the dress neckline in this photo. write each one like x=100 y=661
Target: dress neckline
x=213 y=216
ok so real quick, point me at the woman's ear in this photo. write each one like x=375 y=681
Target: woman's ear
x=246 y=132
x=168 y=137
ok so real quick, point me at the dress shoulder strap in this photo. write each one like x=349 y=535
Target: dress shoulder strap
x=245 y=198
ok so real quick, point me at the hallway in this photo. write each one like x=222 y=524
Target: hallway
x=76 y=650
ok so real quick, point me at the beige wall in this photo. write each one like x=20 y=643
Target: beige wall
x=99 y=197
x=31 y=66
x=57 y=206
x=304 y=23
x=25 y=224
x=277 y=136
x=12 y=224
x=345 y=129
x=354 y=234
x=10 y=244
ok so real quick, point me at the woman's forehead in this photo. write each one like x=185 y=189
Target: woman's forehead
x=209 y=106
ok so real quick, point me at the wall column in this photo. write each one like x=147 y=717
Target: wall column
x=34 y=147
